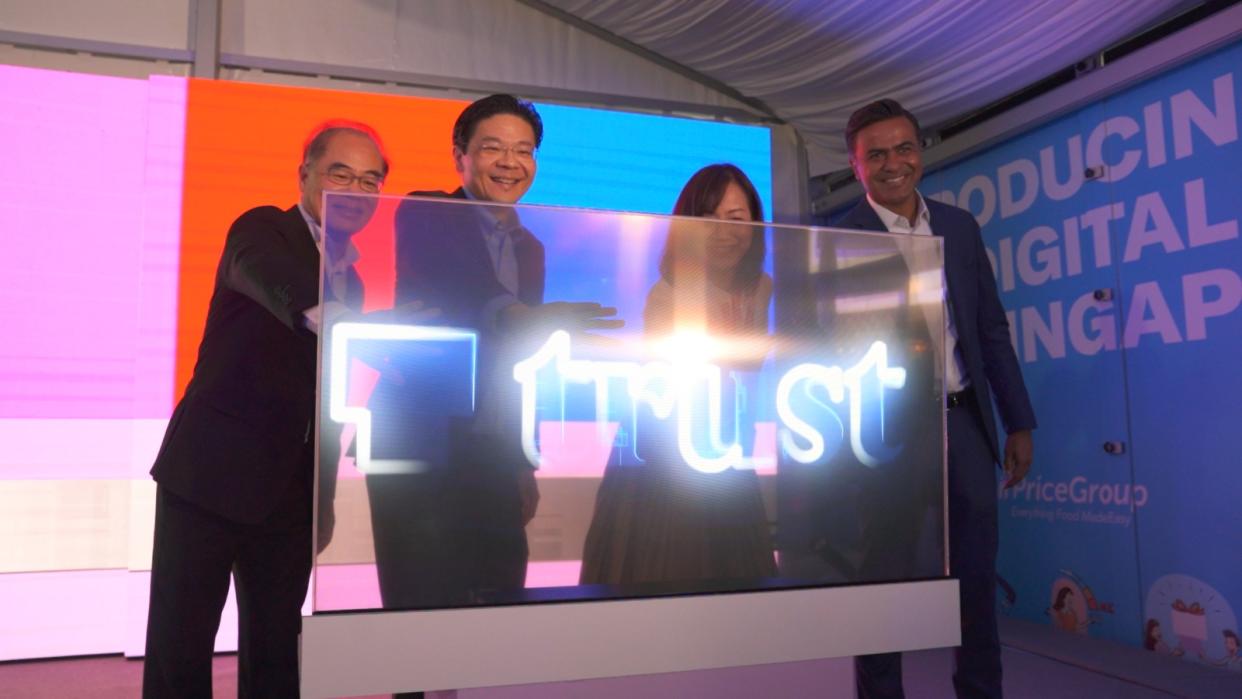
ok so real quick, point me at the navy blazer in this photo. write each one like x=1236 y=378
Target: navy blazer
x=442 y=260
x=978 y=316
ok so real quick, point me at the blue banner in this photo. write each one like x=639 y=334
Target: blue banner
x=1113 y=232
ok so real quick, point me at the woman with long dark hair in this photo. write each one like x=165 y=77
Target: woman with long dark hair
x=662 y=521
x=711 y=273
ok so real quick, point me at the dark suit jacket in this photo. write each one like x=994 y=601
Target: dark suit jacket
x=443 y=261
x=979 y=318
x=241 y=433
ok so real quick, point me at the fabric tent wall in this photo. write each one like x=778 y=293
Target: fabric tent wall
x=162 y=24
x=813 y=62
x=506 y=43
x=446 y=49
x=803 y=62
x=470 y=43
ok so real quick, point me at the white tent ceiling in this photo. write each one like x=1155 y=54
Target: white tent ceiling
x=808 y=63
x=812 y=62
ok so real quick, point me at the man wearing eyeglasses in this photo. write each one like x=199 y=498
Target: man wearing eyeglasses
x=235 y=471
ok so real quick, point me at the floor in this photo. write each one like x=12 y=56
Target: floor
x=1039 y=662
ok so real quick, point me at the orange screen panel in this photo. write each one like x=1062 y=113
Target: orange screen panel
x=243 y=146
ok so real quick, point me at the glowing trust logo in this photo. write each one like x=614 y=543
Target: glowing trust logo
x=840 y=385
x=342 y=335
x=685 y=388
x=664 y=387
x=671 y=389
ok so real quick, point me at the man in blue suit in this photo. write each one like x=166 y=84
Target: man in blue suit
x=886 y=155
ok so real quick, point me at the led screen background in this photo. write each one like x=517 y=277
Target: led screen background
x=116 y=200
x=242 y=142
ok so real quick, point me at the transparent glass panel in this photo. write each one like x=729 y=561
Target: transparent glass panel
x=525 y=404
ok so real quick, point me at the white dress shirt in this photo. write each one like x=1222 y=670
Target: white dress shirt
x=955 y=378
x=336 y=275
x=498 y=236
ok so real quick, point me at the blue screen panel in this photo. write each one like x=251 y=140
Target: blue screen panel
x=601 y=159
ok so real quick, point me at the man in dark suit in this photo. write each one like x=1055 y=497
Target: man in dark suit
x=235 y=471
x=885 y=153
x=452 y=532
x=485 y=272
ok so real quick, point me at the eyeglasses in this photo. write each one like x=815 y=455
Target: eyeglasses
x=521 y=151
x=344 y=177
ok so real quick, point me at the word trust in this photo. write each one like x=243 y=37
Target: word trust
x=676 y=389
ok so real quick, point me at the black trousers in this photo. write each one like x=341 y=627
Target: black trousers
x=973 y=542
x=451 y=536
x=195 y=553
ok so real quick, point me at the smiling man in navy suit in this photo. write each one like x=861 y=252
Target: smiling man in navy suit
x=886 y=155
